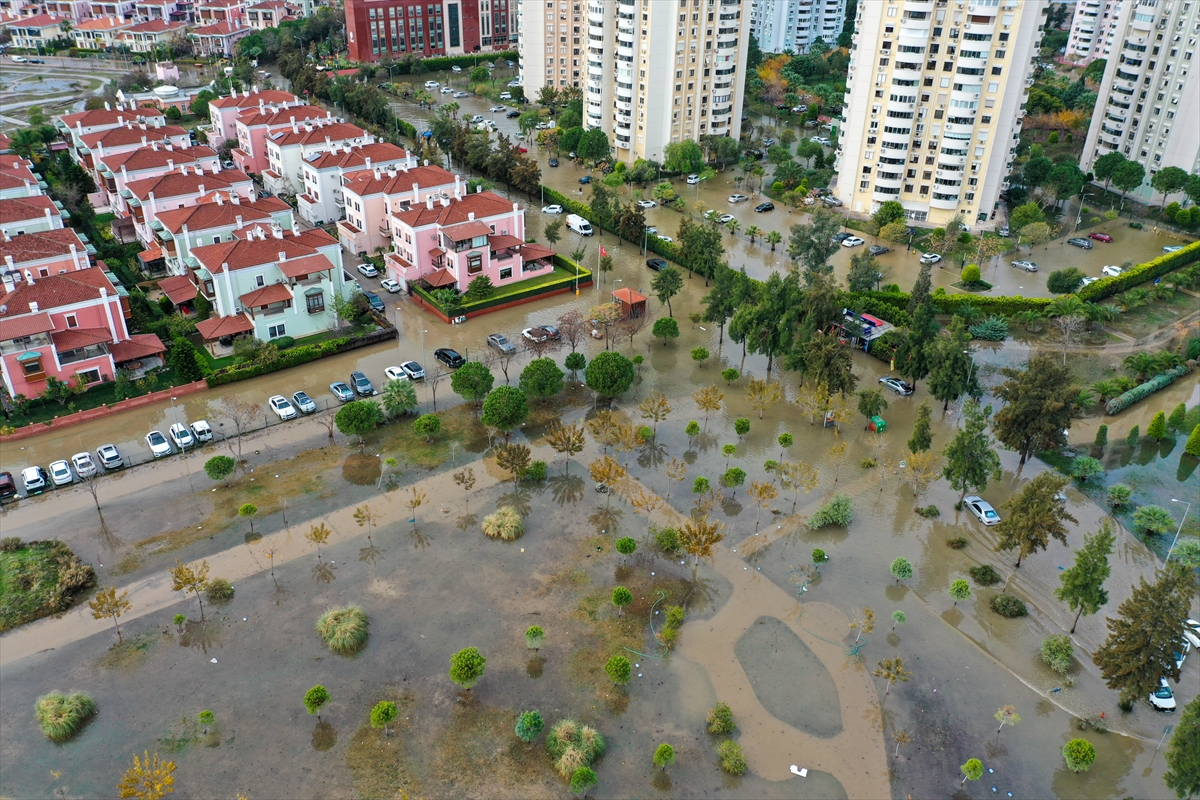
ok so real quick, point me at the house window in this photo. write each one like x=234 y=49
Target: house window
x=475 y=264
x=275 y=331
x=72 y=321
x=259 y=280
x=89 y=376
x=506 y=273
x=315 y=302
x=31 y=365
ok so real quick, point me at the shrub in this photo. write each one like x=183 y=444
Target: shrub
x=992 y=329
x=886 y=345
x=11 y=544
x=1157 y=429
x=1176 y=420
x=720 y=719
x=1079 y=754
x=572 y=746
x=668 y=540
x=957 y=543
x=626 y=545
x=1192 y=448
x=1057 y=651
x=218 y=590
x=618 y=670
x=535 y=471
x=970 y=274
x=835 y=512
x=529 y=726
x=1007 y=605
x=1142 y=391
x=1107 y=287
x=645 y=433
x=733 y=760
x=61 y=716
x=929 y=512
x=1085 y=467
x=984 y=575
x=344 y=630
x=505 y=524
x=1153 y=520
x=1064 y=281
x=283 y=342
x=868 y=463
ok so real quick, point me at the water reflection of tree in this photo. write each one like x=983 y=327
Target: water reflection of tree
x=466 y=522
x=566 y=488
x=323 y=572
x=606 y=520
x=324 y=736
x=520 y=498
x=702 y=594
x=652 y=455
x=371 y=553
x=201 y=635
x=419 y=540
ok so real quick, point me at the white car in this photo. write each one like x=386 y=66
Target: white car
x=738 y=198
x=202 y=431
x=85 y=467
x=664 y=238
x=494 y=109
x=982 y=509
x=159 y=446
x=20 y=59
x=282 y=408
x=554 y=209
x=692 y=180
x=1163 y=699
x=1028 y=266
x=646 y=204
x=110 y=457
x=1111 y=270
x=390 y=285
x=930 y=258
x=368 y=270
x=181 y=436
x=1172 y=248
x=822 y=140
x=431 y=84
x=852 y=241
x=413 y=370
x=1088 y=281
x=34 y=479
x=446 y=90
x=725 y=219
x=395 y=374
x=1191 y=632
x=60 y=473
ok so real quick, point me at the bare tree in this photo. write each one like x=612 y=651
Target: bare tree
x=241 y=415
x=573 y=327
x=92 y=484
x=541 y=348
x=629 y=327
x=503 y=361
x=328 y=422
x=1069 y=328
x=433 y=376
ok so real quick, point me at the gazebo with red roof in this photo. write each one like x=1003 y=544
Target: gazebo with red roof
x=216 y=327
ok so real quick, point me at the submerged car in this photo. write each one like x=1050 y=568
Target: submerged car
x=896 y=385
x=413 y=370
x=1081 y=243
x=552 y=209
x=762 y=207
x=982 y=509
x=500 y=343
x=1100 y=237
x=852 y=241
x=449 y=357
x=930 y=258
x=362 y=384
x=1111 y=270
x=878 y=250
x=1028 y=266
x=656 y=263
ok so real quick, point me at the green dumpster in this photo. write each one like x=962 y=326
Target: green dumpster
x=878 y=424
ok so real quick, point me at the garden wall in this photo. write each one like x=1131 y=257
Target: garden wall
x=104 y=410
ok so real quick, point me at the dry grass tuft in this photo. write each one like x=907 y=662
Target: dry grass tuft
x=61 y=716
x=344 y=630
x=505 y=524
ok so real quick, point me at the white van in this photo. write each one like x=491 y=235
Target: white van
x=579 y=225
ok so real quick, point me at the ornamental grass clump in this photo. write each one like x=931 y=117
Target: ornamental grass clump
x=572 y=746
x=505 y=524
x=61 y=716
x=344 y=630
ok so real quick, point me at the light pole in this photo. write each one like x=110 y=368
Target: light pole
x=1179 y=529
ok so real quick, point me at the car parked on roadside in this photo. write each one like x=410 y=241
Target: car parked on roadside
x=692 y=180
x=553 y=162
x=1081 y=243
x=282 y=408
x=361 y=384
x=1162 y=698
x=656 y=263
x=840 y=237
x=181 y=436
x=1028 y=266
x=552 y=209
x=513 y=114
x=202 y=431
x=878 y=250
x=982 y=509
x=303 y=403
x=390 y=285
x=85 y=466
x=110 y=457
x=763 y=207
x=737 y=198
x=646 y=204
x=449 y=357
x=540 y=333
x=375 y=300
x=413 y=370
x=1172 y=248
x=341 y=391
x=60 y=473
x=1111 y=270
x=586 y=179
x=852 y=241
x=1191 y=632
x=368 y=270
x=35 y=480
x=1100 y=237
x=896 y=385
x=159 y=446
x=1004 y=231
x=1087 y=281
x=500 y=343
x=8 y=486
x=930 y=258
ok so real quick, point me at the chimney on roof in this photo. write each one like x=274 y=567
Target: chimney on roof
x=368 y=160
x=170 y=163
x=124 y=174
x=219 y=200
x=150 y=200
x=428 y=201
x=201 y=189
x=143 y=141
x=9 y=265
x=9 y=284
x=281 y=257
x=277 y=232
x=235 y=198
x=29 y=280
x=457 y=188
x=417 y=194
x=445 y=202
x=295 y=128
x=33 y=306
x=107 y=107
x=4 y=231
x=427 y=162
x=378 y=174
x=260 y=106
x=516 y=207
x=154 y=146
x=169 y=145
x=470 y=216
x=216 y=169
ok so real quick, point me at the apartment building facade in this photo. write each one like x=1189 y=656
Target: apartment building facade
x=372 y=198
x=934 y=103
x=1148 y=106
x=287 y=151
x=1092 y=28
x=391 y=29
x=223 y=112
x=255 y=125
x=793 y=25
x=325 y=175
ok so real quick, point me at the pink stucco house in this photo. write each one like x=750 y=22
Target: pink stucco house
x=256 y=124
x=449 y=242
x=223 y=112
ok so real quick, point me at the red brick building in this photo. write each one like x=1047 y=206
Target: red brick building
x=392 y=29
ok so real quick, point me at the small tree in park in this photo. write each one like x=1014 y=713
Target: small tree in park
x=505 y=408
x=542 y=379
x=529 y=726
x=583 y=780
x=248 y=511
x=626 y=546
x=575 y=362
x=891 y=670
x=219 y=468
x=621 y=597
x=741 y=426
x=1118 y=495
x=466 y=667
x=107 y=603
x=618 y=670
x=383 y=714
x=186 y=578
x=700 y=355
x=902 y=569
x=1183 y=754
x=959 y=590
x=513 y=457
x=1157 y=429
x=655 y=408
x=358 y=418
x=535 y=637
x=1079 y=754
x=609 y=375
x=730 y=374
x=315 y=699
x=427 y=425
x=664 y=756
x=566 y=439
x=1006 y=715
x=319 y=535
x=666 y=329
x=1192 y=448
x=870 y=404
x=1082 y=585
x=898 y=618
x=1152 y=520
x=819 y=557
x=971 y=771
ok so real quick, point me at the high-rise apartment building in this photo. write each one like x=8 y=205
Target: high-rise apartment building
x=1092 y=30
x=392 y=29
x=933 y=105
x=652 y=71
x=793 y=25
x=1148 y=106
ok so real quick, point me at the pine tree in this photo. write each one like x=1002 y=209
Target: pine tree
x=1158 y=427
x=1039 y=404
x=951 y=370
x=1034 y=516
x=1192 y=448
x=912 y=359
x=921 y=289
x=1176 y=421
x=1135 y=433
x=1142 y=639
x=922 y=438
x=1183 y=754
x=1101 y=438
x=970 y=460
x=1083 y=584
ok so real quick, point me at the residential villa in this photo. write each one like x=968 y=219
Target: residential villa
x=255 y=125
x=120 y=9
x=209 y=12
x=76 y=126
x=76 y=10
x=146 y=37
x=219 y=38
x=288 y=149
x=371 y=198
x=184 y=188
x=100 y=34
x=326 y=173
x=167 y=10
x=34 y=33
x=118 y=170
x=17 y=178
x=22 y=215
x=108 y=142
x=217 y=219
x=223 y=111
x=267 y=14
x=269 y=282
x=449 y=242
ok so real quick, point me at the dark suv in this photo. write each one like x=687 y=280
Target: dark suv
x=8 y=487
x=362 y=384
x=449 y=357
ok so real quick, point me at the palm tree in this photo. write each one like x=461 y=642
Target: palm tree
x=1067 y=305
x=753 y=232
x=773 y=238
x=1106 y=390
x=1097 y=313
x=1029 y=318
x=1139 y=364
x=734 y=226
x=969 y=313
x=1165 y=360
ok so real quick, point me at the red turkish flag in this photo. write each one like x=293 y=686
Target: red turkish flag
x=603 y=252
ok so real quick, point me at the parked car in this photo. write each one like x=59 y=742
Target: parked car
x=878 y=250
x=898 y=386
x=1181 y=652
x=413 y=370
x=1100 y=237
x=1172 y=248
x=449 y=357
x=552 y=209
x=656 y=263
x=1081 y=243
x=1191 y=632
x=1004 y=231
x=982 y=509
x=110 y=457
x=761 y=207
x=821 y=140
x=1163 y=699
x=84 y=466
x=8 y=487
x=60 y=473
x=35 y=480
x=1028 y=266
x=361 y=384
x=1111 y=270
x=375 y=300
x=341 y=391
x=738 y=198
x=653 y=231
x=20 y=59
x=841 y=236
x=930 y=258
x=494 y=109
x=852 y=241
x=202 y=431
x=159 y=446
x=830 y=200
x=553 y=162
x=500 y=343
x=304 y=403
x=181 y=436
x=1087 y=282
x=456 y=68
x=446 y=90
x=646 y=204
x=541 y=333
x=394 y=374
x=477 y=118
x=513 y=114
x=282 y=408
x=390 y=285
x=662 y=238
x=769 y=142
x=586 y=179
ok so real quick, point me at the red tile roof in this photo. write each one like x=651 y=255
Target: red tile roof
x=37 y=21
x=221 y=28
x=156 y=26
x=425 y=178
x=306 y=265
x=224 y=214
x=483 y=204
x=530 y=251
x=131 y=134
x=151 y=158
x=5 y=143
x=104 y=116
x=75 y=338
x=176 y=184
x=100 y=24
x=244 y=253
x=26 y=325
x=467 y=230
x=628 y=296
x=178 y=289
x=41 y=244
x=499 y=241
x=55 y=291
x=281 y=115
x=139 y=345
x=336 y=132
x=275 y=293
x=379 y=153
x=440 y=277
x=20 y=209
x=15 y=171
x=216 y=327
x=252 y=99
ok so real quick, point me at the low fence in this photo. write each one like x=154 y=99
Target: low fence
x=104 y=410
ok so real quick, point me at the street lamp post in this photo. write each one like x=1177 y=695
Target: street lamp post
x=1179 y=529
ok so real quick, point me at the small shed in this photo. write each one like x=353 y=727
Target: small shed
x=633 y=304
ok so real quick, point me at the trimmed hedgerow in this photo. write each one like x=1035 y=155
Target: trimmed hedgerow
x=1107 y=287
x=1142 y=391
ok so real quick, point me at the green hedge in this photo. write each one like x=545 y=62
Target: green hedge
x=287 y=359
x=892 y=308
x=886 y=346
x=438 y=64
x=560 y=263
x=1107 y=287
x=1142 y=391
x=1007 y=306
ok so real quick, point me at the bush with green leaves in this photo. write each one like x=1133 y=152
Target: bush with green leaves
x=505 y=524
x=1085 y=467
x=730 y=374
x=575 y=362
x=1079 y=754
x=583 y=779
x=1192 y=448
x=720 y=719
x=1057 y=651
x=466 y=667
x=929 y=511
x=1010 y=606
x=741 y=426
x=692 y=428
x=668 y=540
x=219 y=468
x=344 y=630
x=646 y=433
x=733 y=760
x=61 y=716
x=970 y=274
x=984 y=575
x=991 y=329
x=535 y=472
x=1064 y=281
x=957 y=543
x=618 y=669
x=837 y=511
x=626 y=545
x=218 y=590
x=529 y=726
x=1153 y=520
x=1142 y=391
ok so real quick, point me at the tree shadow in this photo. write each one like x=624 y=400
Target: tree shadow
x=995 y=749
x=419 y=540
x=566 y=489
x=520 y=498
x=324 y=736
x=323 y=572
x=661 y=780
x=702 y=594
x=108 y=540
x=370 y=554
x=251 y=538
x=201 y=635
x=617 y=701
x=606 y=520
x=652 y=455
x=535 y=666
x=622 y=573
x=466 y=522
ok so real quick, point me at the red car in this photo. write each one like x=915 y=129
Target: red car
x=526 y=150
x=1100 y=237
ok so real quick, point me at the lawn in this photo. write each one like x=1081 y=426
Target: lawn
x=46 y=410
x=39 y=579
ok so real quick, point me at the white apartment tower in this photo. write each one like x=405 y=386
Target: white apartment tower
x=1092 y=30
x=1149 y=101
x=781 y=25
x=652 y=71
x=933 y=105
